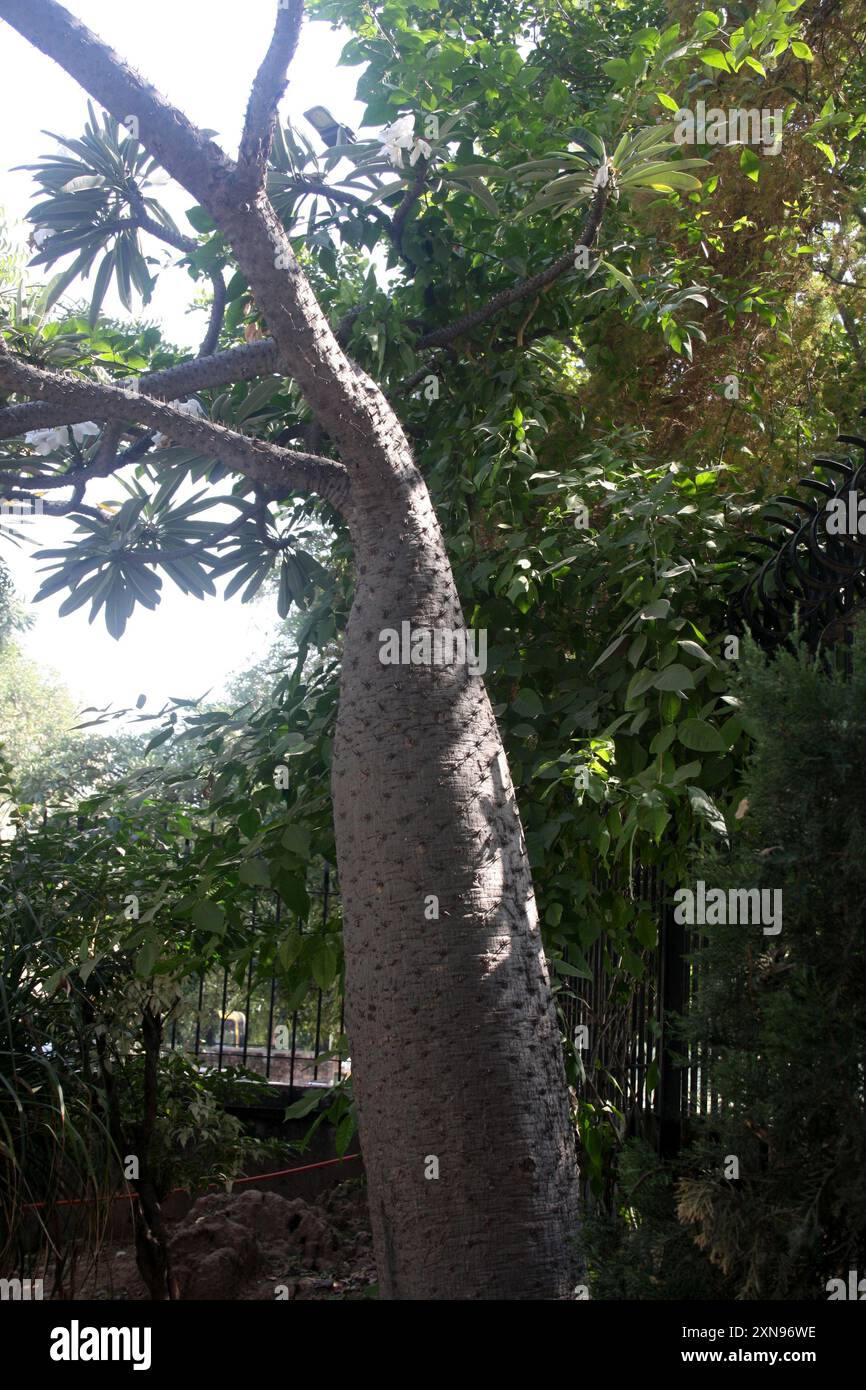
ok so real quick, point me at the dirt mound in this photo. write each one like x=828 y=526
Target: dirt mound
x=225 y=1240
x=257 y=1245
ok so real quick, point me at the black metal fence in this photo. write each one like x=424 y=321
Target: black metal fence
x=255 y=1023
x=633 y=1059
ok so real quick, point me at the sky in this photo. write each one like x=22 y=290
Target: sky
x=202 y=54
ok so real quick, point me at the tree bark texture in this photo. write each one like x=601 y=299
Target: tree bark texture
x=453 y=1035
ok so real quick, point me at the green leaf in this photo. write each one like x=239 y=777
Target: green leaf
x=802 y=50
x=296 y=839
x=715 y=58
x=694 y=649
x=639 y=683
x=656 y=819
x=323 y=964
x=302 y=1108
x=663 y=739
x=659 y=608
x=103 y=278
x=750 y=164
x=209 y=917
x=675 y=677
x=255 y=871
x=622 y=279
x=667 y=101
x=563 y=967
x=527 y=703
x=701 y=737
x=619 y=70
x=707 y=809
x=146 y=959
x=608 y=651
x=829 y=154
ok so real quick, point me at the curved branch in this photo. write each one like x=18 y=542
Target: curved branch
x=217 y=314
x=256 y=459
x=410 y=198
x=267 y=88
x=441 y=336
x=171 y=383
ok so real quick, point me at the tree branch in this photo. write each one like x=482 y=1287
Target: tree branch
x=411 y=196
x=345 y=400
x=261 y=357
x=442 y=336
x=217 y=314
x=254 y=458
x=267 y=89
x=172 y=383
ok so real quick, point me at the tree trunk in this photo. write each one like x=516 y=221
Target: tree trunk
x=455 y=1046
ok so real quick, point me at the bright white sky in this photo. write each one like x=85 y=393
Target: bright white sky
x=202 y=55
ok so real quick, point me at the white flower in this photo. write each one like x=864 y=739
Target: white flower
x=82 y=432
x=192 y=408
x=46 y=441
x=421 y=147
x=602 y=178
x=397 y=137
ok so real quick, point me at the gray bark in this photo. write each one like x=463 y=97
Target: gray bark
x=454 y=1039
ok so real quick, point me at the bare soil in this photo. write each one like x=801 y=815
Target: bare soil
x=254 y=1245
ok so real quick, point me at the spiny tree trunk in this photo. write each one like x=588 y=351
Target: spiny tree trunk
x=455 y=1045
x=455 y=1048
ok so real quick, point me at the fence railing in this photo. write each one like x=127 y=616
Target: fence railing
x=633 y=1060
x=256 y=1024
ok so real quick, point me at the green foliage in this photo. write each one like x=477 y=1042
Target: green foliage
x=36 y=710
x=75 y=996
x=785 y=1014
x=53 y=1145
x=196 y=1143
x=88 y=194
x=640 y=1250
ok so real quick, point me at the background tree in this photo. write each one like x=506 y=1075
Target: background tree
x=784 y=1014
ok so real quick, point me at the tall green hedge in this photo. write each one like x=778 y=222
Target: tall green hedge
x=785 y=1013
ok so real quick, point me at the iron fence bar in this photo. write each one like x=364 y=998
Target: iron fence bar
x=277 y=904
x=223 y=1017
x=248 y=999
x=198 y=1013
